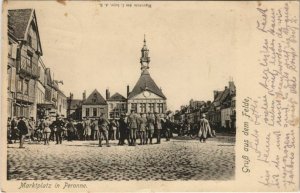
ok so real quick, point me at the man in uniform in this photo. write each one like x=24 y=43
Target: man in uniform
x=132 y=121
x=122 y=129
x=23 y=130
x=168 y=124
x=142 y=128
x=59 y=126
x=158 y=126
x=103 y=133
x=150 y=127
x=31 y=128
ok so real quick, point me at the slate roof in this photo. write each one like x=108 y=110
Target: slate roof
x=220 y=97
x=117 y=97
x=19 y=19
x=145 y=82
x=95 y=98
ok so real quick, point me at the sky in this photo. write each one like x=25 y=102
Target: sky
x=192 y=49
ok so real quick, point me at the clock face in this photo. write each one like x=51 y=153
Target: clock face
x=146 y=94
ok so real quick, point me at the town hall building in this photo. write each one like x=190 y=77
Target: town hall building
x=146 y=96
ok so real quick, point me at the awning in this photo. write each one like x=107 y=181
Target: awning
x=46 y=105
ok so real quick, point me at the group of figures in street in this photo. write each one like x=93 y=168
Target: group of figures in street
x=143 y=127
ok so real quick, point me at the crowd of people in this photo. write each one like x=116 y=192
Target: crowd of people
x=187 y=128
x=132 y=128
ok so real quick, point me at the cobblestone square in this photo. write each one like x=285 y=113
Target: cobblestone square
x=180 y=159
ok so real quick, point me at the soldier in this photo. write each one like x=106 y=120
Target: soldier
x=132 y=124
x=103 y=126
x=80 y=130
x=59 y=124
x=142 y=128
x=150 y=127
x=123 y=130
x=46 y=130
x=96 y=129
x=23 y=130
x=204 y=129
x=113 y=129
x=158 y=126
x=31 y=127
x=168 y=124
x=14 y=129
x=70 y=130
x=87 y=129
x=40 y=130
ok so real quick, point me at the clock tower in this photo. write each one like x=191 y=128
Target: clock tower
x=146 y=96
x=145 y=59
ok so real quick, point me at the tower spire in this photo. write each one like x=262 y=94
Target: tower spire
x=145 y=59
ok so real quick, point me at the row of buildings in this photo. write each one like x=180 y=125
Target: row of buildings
x=145 y=97
x=221 y=111
x=32 y=91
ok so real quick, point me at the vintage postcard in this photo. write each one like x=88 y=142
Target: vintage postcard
x=149 y=96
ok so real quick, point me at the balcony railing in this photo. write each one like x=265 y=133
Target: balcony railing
x=29 y=69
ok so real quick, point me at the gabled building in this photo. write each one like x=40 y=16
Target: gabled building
x=222 y=110
x=117 y=105
x=23 y=26
x=11 y=68
x=146 y=96
x=94 y=105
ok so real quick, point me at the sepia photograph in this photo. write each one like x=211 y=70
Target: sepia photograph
x=150 y=96
x=123 y=108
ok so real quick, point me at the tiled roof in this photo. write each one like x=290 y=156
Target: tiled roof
x=117 y=97
x=19 y=19
x=145 y=82
x=221 y=97
x=95 y=98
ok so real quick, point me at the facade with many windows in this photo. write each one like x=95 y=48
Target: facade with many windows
x=94 y=106
x=26 y=51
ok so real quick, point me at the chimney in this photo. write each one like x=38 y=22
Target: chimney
x=231 y=86
x=107 y=94
x=215 y=94
x=84 y=96
x=127 y=90
x=208 y=103
x=71 y=96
